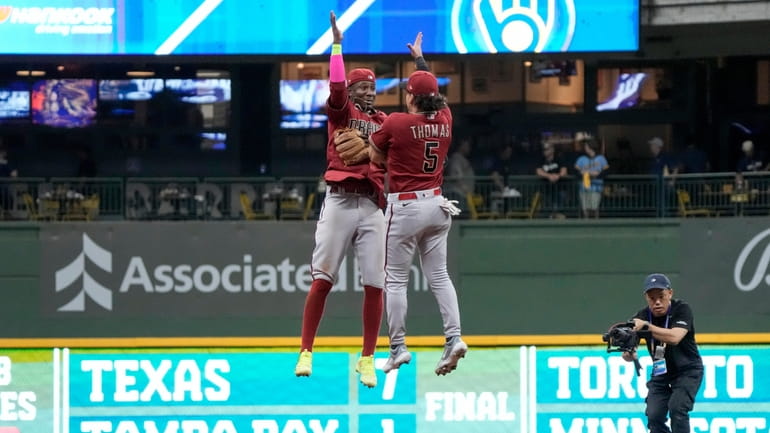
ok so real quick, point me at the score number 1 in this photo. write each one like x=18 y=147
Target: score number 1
x=388 y=423
x=388 y=426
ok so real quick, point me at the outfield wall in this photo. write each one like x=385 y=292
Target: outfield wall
x=249 y=279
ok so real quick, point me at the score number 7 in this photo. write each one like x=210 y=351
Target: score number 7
x=389 y=387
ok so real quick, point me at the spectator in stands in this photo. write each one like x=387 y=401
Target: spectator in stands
x=694 y=159
x=460 y=176
x=625 y=163
x=691 y=161
x=503 y=166
x=662 y=164
x=6 y=171
x=592 y=167
x=571 y=155
x=751 y=160
x=525 y=156
x=553 y=172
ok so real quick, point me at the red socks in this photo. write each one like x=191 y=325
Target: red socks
x=314 y=310
x=372 y=318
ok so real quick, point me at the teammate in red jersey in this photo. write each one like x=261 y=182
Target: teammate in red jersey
x=413 y=147
x=350 y=215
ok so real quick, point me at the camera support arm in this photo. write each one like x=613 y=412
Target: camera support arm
x=637 y=365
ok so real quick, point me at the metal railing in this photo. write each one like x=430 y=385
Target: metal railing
x=218 y=198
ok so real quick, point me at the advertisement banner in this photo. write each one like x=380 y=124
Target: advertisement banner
x=587 y=390
x=249 y=391
x=27 y=381
x=216 y=27
x=194 y=270
x=736 y=288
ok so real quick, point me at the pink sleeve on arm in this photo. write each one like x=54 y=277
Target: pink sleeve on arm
x=338 y=96
x=336 y=66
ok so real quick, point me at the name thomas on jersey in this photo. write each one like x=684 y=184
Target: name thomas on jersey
x=431 y=131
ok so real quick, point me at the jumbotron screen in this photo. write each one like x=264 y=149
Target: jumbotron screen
x=249 y=27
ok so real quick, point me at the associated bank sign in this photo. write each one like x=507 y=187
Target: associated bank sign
x=759 y=271
x=76 y=271
x=130 y=269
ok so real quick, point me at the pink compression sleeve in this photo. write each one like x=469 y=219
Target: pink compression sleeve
x=336 y=65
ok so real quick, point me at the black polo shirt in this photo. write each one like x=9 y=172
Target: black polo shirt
x=684 y=355
x=551 y=167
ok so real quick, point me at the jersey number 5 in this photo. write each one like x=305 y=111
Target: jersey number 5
x=430 y=163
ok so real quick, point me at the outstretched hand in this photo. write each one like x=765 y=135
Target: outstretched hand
x=335 y=30
x=639 y=324
x=416 y=48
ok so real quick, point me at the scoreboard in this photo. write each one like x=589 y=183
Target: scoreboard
x=220 y=390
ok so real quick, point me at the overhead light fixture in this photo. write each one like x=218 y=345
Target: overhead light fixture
x=140 y=73
x=527 y=63
x=211 y=73
x=29 y=73
x=300 y=65
x=60 y=68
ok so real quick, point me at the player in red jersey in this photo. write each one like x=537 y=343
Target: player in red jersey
x=413 y=146
x=350 y=215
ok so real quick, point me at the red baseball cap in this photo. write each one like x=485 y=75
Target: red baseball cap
x=360 y=74
x=422 y=83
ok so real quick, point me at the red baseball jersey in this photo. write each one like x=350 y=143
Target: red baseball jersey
x=416 y=146
x=348 y=115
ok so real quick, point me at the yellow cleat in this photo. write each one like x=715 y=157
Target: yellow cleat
x=365 y=367
x=304 y=365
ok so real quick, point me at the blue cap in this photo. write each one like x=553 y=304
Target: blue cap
x=656 y=281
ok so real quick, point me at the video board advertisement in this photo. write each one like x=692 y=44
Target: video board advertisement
x=27 y=397
x=515 y=389
x=222 y=390
x=585 y=390
x=222 y=27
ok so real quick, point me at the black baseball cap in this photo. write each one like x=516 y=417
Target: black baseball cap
x=656 y=281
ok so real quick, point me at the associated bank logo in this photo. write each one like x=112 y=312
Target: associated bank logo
x=492 y=26
x=76 y=272
x=133 y=276
x=761 y=271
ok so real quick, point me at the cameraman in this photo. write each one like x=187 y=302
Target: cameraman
x=677 y=370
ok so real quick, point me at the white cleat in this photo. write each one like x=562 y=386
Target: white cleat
x=454 y=349
x=397 y=358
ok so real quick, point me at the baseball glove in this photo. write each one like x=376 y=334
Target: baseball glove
x=352 y=147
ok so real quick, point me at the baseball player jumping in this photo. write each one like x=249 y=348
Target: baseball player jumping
x=413 y=147
x=350 y=215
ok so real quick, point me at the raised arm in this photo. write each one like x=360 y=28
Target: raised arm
x=338 y=95
x=415 y=49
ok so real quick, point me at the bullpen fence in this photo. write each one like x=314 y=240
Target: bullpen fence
x=51 y=199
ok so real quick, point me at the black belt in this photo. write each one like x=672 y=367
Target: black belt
x=351 y=188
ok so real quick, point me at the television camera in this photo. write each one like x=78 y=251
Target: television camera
x=621 y=337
